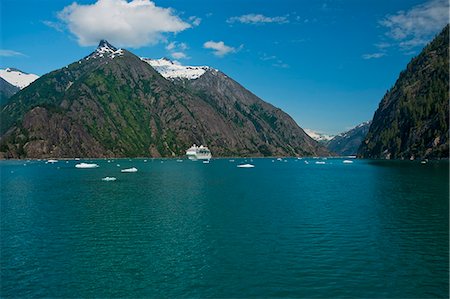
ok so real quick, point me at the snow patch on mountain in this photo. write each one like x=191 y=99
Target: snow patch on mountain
x=105 y=49
x=351 y=131
x=318 y=136
x=174 y=70
x=17 y=77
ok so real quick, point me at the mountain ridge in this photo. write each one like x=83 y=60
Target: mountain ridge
x=113 y=104
x=412 y=118
x=348 y=143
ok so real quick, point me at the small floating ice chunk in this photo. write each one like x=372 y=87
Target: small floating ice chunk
x=86 y=165
x=132 y=169
x=179 y=160
x=306 y=162
x=320 y=162
x=206 y=162
x=246 y=165
x=109 y=179
x=52 y=161
x=347 y=162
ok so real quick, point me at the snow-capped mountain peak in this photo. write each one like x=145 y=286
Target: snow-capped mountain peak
x=17 y=77
x=105 y=49
x=174 y=70
x=318 y=136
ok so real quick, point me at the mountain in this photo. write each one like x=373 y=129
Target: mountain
x=17 y=77
x=257 y=128
x=318 y=136
x=173 y=70
x=412 y=118
x=11 y=81
x=7 y=90
x=114 y=104
x=347 y=143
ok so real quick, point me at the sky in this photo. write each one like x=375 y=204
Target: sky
x=327 y=63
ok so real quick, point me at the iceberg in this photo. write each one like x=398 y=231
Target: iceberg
x=246 y=165
x=109 y=179
x=132 y=169
x=86 y=165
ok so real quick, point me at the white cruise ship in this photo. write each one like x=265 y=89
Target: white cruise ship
x=201 y=152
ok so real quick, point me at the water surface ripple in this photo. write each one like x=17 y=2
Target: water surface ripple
x=281 y=229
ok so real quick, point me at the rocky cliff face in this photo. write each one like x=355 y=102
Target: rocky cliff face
x=348 y=143
x=112 y=103
x=412 y=118
x=257 y=127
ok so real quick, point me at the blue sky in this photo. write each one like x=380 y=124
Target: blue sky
x=326 y=63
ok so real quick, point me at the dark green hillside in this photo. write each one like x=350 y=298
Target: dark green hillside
x=412 y=118
x=7 y=90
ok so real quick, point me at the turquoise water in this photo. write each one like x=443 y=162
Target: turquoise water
x=281 y=229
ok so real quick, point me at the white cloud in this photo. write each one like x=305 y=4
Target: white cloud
x=373 y=55
x=220 y=49
x=280 y=64
x=178 y=55
x=257 y=19
x=195 y=20
x=131 y=24
x=276 y=62
x=57 y=26
x=10 y=53
x=265 y=57
x=416 y=26
x=176 y=50
x=171 y=46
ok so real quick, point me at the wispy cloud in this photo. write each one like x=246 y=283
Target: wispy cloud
x=416 y=26
x=54 y=25
x=408 y=30
x=178 y=55
x=373 y=55
x=134 y=24
x=275 y=61
x=10 y=53
x=177 y=50
x=195 y=21
x=257 y=19
x=220 y=49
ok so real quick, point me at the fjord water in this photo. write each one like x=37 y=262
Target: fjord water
x=281 y=229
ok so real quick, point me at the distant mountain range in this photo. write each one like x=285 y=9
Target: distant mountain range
x=11 y=81
x=344 y=144
x=114 y=104
x=319 y=136
x=412 y=120
x=348 y=143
